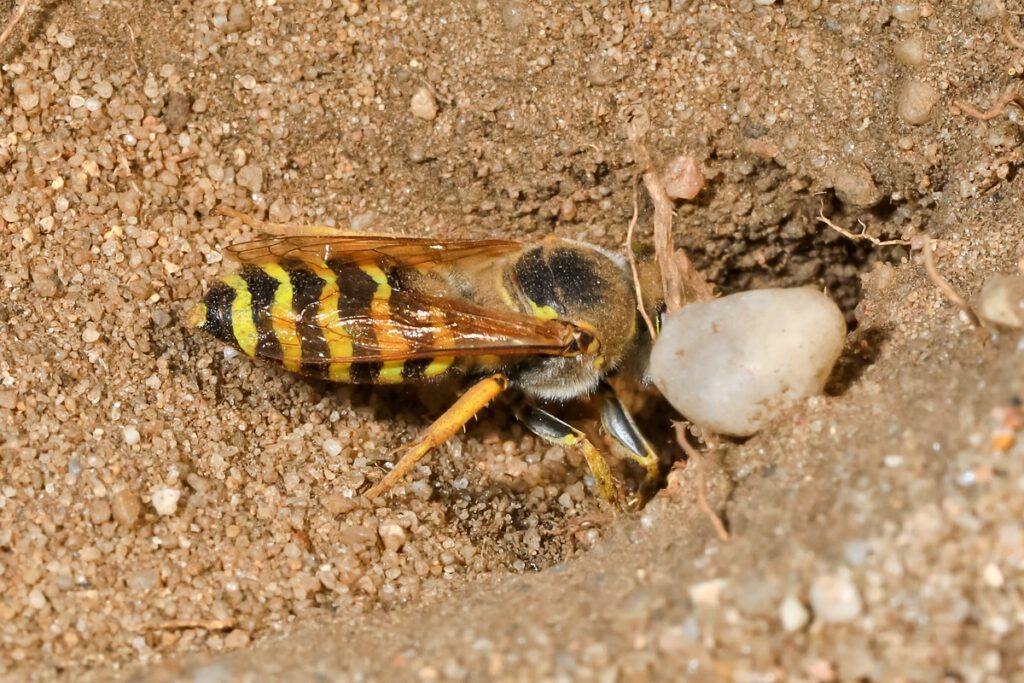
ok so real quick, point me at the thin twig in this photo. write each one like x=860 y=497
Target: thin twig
x=858 y=236
x=1011 y=96
x=1007 y=31
x=697 y=458
x=947 y=289
x=632 y=260
x=922 y=242
x=680 y=281
x=19 y=10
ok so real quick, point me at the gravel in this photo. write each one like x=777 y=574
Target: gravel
x=835 y=598
x=510 y=568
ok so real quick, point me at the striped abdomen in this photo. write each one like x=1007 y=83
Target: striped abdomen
x=314 y=320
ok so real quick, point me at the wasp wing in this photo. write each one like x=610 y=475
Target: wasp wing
x=361 y=248
x=410 y=325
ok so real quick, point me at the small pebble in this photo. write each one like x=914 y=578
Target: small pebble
x=238 y=18
x=835 y=598
x=250 y=177
x=143 y=580
x=392 y=535
x=910 y=51
x=987 y=10
x=8 y=399
x=1002 y=300
x=855 y=186
x=128 y=202
x=707 y=593
x=992 y=575
x=90 y=334
x=363 y=220
x=126 y=507
x=99 y=511
x=682 y=178
x=177 y=111
x=915 y=102
x=236 y=639
x=337 y=504
x=423 y=105
x=906 y=11
x=131 y=435
x=732 y=364
x=304 y=585
x=165 y=501
x=332 y=447
x=793 y=615
x=36 y=599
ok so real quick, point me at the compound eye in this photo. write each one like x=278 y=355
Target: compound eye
x=587 y=342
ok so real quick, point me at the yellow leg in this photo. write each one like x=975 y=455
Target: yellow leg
x=603 y=479
x=554 y=430
x=443 y=428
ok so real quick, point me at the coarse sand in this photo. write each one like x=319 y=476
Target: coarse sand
x=170 y=511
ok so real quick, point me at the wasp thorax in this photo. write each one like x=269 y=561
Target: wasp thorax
x=589 y=288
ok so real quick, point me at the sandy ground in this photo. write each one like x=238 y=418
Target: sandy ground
x=171 y=512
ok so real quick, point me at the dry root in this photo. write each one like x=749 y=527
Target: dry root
x=19 y=11
x=1011 y=96
x=700 y=463
x=924 y=244
x=680 y=281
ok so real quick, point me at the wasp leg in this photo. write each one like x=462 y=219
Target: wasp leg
x=620 y=426
x=443 y=428
x=551 y=429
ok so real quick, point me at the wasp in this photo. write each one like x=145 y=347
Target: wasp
x=552 y=321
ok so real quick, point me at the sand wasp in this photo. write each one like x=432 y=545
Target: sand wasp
x=552 y=321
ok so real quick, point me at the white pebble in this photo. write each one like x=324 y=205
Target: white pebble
x=835 y=598
x=986 y=10
x=165 y=501
x=36 y=599
x=90 y=335
x=332 y=447
x=131 y=435
x=793 y=615
x=732 y=364
x=362 y=221
x=65 y=40
x=392 y=535
x=905 y=11
x=1002 y=300
x=910 y=51
x=707 y=593
x=992 y=575
x=423 y=105
x=250 y=177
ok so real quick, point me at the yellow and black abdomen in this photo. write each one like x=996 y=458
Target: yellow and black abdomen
x=332 y=322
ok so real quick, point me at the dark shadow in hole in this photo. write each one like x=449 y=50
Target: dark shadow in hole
x=883 y=210
x=861 y=352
